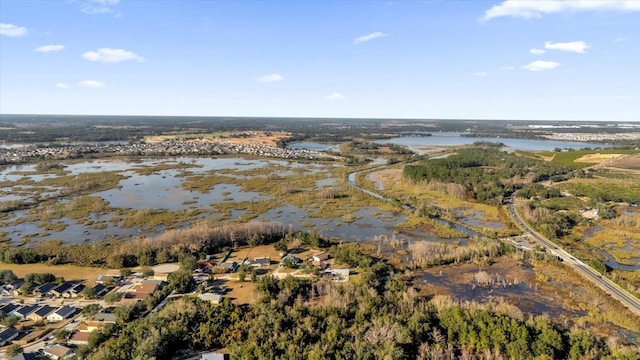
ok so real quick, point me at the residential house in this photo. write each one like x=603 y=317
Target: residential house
x=290 y=258
x=206 y=266
x=7 y=335
x=80 y=338
x=44 y=289
x=259 y=262
x=62 y=313
x=61 y=289
x=229 y=266
x=323 y=256
x=211 y=297
x=340 y=275
x=100 y=290
x=110 y=279
x=74 y=291
x=14 y=286
x=56 y=352
x=25 y=356
x=41 y=313
x=23 y=311
x=8 y=308
x=144 y=289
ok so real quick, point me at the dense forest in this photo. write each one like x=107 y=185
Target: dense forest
x=486 y=174
x=380 y=316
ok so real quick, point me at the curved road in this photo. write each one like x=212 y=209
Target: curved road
x=585 y=270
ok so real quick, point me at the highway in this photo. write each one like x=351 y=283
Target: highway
x=585 y=270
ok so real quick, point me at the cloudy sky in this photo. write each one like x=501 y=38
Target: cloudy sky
x=573 y=60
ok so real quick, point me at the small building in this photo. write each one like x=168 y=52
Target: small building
x=214 y=356
x=259 y=262
x=62 y=313
x=41 y=313
x=160 y=277
x=323 y=256
x=24 y=311
x=56 y=352
x=14 y=287
x=7 y=335
x=211 y=297
x=144 y=289
x=206 y=266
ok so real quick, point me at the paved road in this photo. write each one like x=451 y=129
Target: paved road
x=585 y=270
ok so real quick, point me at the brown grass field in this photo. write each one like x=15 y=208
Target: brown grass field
x=597 y=158
x=68 y=272
x=248 y=137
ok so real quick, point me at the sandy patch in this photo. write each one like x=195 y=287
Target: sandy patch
x=166 y=268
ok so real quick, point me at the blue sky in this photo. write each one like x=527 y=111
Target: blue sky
x=547 y=60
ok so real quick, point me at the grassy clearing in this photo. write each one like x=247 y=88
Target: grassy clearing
x=69 y=272
x=609 y=189
x=569 y=158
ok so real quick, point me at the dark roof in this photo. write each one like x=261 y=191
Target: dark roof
x=25 y=356
x=98 y=288
x=63 y=287
x=77 y=287
x=44 y=311
x=66 y=311
x=9 y=308
x=7 y=333
x=26 y=310
x=44 y=288
x=16 y=284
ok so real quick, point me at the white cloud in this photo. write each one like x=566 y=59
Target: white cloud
x=271 y=78
x=541 y=65
x=62 y=85
x=334 y=96
x=535 y=51
x=365 y=38
x=112 y=55
x=481 y=74
x=573 y=46
x=537 y=8
x=49 y=48
x=92 y=84
x=94 y=7
x=12 y=30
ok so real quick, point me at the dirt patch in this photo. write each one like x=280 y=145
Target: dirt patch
x=628 y=162
x=68 y=272
x=165 y=268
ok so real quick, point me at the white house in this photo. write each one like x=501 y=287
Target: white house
x=62 y=313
